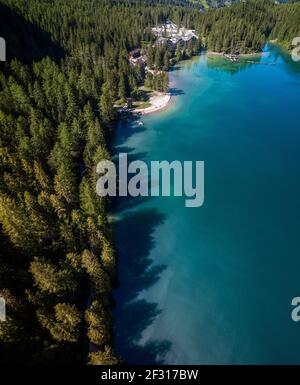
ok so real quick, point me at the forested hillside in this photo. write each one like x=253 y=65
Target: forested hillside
x=67 y=63
x=245 y=27
x=287 y=23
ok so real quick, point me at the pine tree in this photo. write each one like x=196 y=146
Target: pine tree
x=99 y=324
x=165 y=82
x=122 y=88
x=47 y=278
x=166 y=61
x=178 y=54
x=104 y=357
x=158 y=58
x=106 y=105
x=150 y=57
x=64 y=324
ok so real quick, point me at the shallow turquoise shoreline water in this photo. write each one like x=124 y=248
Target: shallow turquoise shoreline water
x=214 y=284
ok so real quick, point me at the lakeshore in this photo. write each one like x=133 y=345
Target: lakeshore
x=185 y=292
x=158 y=101
x=213 y=53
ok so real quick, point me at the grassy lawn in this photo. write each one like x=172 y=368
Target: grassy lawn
x=141 y=101
x=145 y=104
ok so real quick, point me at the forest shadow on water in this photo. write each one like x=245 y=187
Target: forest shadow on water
x=126 y=129
x=124 y=203
x=282 y=53
x=176 y=91
x=136 y=272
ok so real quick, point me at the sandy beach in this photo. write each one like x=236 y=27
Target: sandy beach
x=158 y=101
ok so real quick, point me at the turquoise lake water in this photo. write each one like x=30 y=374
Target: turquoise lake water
x=214 y=285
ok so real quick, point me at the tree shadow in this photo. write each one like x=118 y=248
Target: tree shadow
x=122 y=203
x=126 y=129
x=136 y=272
x=176 y=91
x=175 y=67
x=131 y=156
x=281 y=53
x=139 y=315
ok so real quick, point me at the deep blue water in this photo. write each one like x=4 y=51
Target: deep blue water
x=214 y=284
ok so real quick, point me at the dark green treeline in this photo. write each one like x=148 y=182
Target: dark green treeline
x=67 y=65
